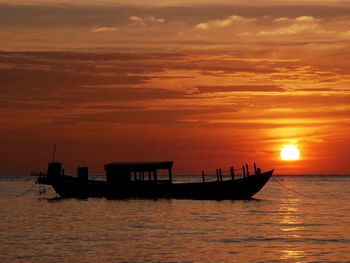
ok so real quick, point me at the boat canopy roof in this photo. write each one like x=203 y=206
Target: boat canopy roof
x=138 y=166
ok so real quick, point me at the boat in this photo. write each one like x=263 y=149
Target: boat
x=127 y=180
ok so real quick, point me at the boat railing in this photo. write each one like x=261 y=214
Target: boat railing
x=38 y=174
x=232 y=174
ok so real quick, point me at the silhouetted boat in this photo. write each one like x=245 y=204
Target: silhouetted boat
x=140 y=180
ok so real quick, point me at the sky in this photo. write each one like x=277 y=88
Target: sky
x=208 y=84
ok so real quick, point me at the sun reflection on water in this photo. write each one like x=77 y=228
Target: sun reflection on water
x=292 y=254
x=291 y=229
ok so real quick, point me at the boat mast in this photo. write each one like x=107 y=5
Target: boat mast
x=54 y=153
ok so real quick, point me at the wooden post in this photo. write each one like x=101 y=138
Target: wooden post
x=134 y=176
x=54 y=153
x=217 y=174
x=246 y=167
x=203 y=177
x=243 y=170
x=170 y=176
x=232 y=172
x=220 y=173
x=149 y=175
x=143 y=175
x=254 y=168
x=155 y=175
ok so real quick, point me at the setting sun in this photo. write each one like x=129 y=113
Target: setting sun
x=290 y=153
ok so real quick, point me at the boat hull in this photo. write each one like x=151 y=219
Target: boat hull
x=243 y=188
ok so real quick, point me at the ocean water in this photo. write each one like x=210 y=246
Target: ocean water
x=308 y=223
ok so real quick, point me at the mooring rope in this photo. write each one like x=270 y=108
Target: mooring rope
x=290 y=189
x=27 y=191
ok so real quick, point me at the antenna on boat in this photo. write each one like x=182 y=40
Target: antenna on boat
x=54 y=153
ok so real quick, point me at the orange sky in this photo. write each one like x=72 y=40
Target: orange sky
x=207 y=85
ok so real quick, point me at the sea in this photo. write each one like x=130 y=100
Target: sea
x=304 y=218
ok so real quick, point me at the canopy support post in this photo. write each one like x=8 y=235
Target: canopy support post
x=170 y=176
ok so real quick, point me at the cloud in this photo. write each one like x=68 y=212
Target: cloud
x=281 y=19
x=240 y=88
x=298 y=25
x=146 y=116
x=55 y=79
x=202 y=26
x=307 y=19
x=231 y=20
x=58 y=79
x=144 y=21
x=103 y=29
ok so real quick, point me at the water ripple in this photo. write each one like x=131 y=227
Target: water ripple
x=277 y=226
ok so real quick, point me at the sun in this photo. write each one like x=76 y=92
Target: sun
x=290 y=153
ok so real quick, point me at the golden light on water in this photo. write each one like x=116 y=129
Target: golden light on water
x=290 y=153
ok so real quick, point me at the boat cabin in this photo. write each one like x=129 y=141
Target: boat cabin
x=125 y=172
x=54 y=169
